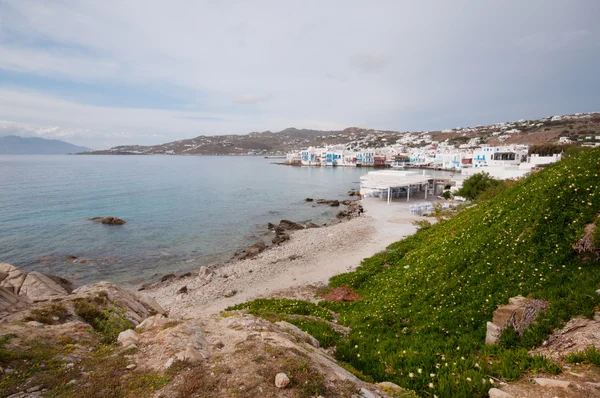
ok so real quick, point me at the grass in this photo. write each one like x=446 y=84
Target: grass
x=106 y=321
x=49 y=314
x=589 y=356
x=421 y=321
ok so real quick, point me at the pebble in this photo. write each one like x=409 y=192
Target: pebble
x=131 y=366
x=34 y=389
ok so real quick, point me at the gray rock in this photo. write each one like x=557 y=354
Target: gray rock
x=34 y=389
x=281 y=380
x=131 y=366
x=496 y=393
x=367 y=394
x=552 y=383
x=128 y=337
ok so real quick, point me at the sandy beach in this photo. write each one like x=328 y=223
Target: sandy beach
x=310 y=258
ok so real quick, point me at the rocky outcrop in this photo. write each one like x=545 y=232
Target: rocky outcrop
x=10 y=302
x=519 y=313
x=110 y=220
x=250 y=251
x=586 y=245
x=137 y=308
x=33 y=285
x=288 y=225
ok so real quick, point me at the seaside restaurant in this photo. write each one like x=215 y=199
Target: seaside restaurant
x=389 y=184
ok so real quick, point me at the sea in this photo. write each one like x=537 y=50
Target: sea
x=181 y=211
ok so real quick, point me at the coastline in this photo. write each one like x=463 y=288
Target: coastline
x=306 y=262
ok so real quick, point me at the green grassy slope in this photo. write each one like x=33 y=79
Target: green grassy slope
x=421 y=323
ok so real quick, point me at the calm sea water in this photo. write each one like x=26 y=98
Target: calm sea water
x=181 y=212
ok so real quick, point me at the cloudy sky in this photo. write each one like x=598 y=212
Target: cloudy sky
x=103 y=73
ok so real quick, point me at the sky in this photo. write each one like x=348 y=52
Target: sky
x=102 y=73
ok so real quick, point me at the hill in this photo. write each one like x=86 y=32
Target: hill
x=14 y=145
x=424 y=302
x=579 y=127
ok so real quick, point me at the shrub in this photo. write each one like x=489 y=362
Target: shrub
x=106 y=322
x=475 y=185
x=48 y=314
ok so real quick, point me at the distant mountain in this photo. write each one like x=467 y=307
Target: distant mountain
x=14 y=145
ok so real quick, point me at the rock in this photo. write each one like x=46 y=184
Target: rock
x=188 y=338
x=312 y=225
x=367 y=394
x=288 y=225
x=389 y=387
x=186 y=275
x=34 y=389
x=281 y=380
x=334 y=203
x=353 y=193
x=128 y=337
x=308 y=199
x=205 y=274
x=70 y=258
x=152 y=322
x=137 y=307
x=10 y=302
x=280 y=238
x=168 y=277
x=496 y=393
x=131 y=366
x=169 y=362
x=37 y=285
x=36 y=324
x=294 y=330
x=9 y=371
x=110 y=220
x=11 y=277
x=519 y=313
x=552 y=383
x=183 y=290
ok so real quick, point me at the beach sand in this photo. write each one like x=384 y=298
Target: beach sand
x=295 y=268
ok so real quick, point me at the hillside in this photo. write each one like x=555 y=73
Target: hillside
x=14 y=145
x=583 y=127
x=424 y=302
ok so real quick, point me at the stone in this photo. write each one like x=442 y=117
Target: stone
x=367 y=394
x=152 y=322
x=389 y=386
x=288 y=225
x=205 y=274
x=296 y=331
x=131 y=366
x=496 y=393
x=37 y=285
x=137 y=307
x=187 y=340
x=110 y=220
x=308 y=199
x=281 y=380
x=552 y=383
x=492 y=334
x=312 y=225
x=168 y=277
x=11 y=277
x=169 y=363
x=280 y=238
x=36 y=324
x=183 y=290
x=34 y=389
x=128 y=337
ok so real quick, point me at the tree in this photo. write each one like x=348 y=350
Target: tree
x=475 y=185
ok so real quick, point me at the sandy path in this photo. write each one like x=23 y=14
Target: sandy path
x=316 y=255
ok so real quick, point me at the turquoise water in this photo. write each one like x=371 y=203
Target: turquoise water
x=181 y=212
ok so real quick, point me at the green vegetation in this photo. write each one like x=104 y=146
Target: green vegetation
x=547 y=149
x=590 y=355
x=107 y=322
x=425 y=301
x=49 y=314
x=475 y=185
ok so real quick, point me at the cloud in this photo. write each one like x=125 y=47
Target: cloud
x=250 y=99
x=369 y=62
x=100 y=69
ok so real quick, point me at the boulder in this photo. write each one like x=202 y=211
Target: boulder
x=10 y=302
x=37 y=285
x=280 y=238
x=496 y=393
x=288 y=225
x=552 y=382
x=137 y=307
x=308 y=199
x=312 y=225
x=110 y=220
x=185 y=339
x=281 y=380
x=205 y=274
x=128 y=337
x=153 y=322
x=168 y=277
x=519 y=313
x=11 y=277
